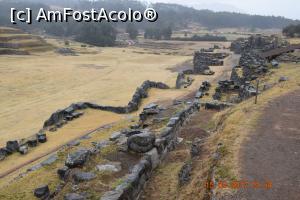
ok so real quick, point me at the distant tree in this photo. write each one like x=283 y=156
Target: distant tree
x=158 y=33
x=291 y=30
x=167 y=32
x=132 y=31
x=99 y=34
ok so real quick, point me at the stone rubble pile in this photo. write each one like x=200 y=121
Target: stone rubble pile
x=203 y=60
x=260 y=42
x=251 y=66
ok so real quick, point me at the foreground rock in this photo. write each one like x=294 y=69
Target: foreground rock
x=42 y=192
x=78 y=158
x=141 y=143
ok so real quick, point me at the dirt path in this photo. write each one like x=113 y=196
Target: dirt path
x=272 y=153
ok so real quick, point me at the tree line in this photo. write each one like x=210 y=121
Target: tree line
x=171 y=17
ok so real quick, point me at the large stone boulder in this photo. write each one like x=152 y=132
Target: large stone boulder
x=78 y=158
x=141 y=143
x=12 y=146
x=42 y=192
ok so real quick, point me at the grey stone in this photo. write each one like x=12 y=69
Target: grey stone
x=78 y=158
x=184 y=174
x=63 y=172
x=41 y=137
x=154 y=157
x=32 y=141
x=173 y=121
x=83 y=176
x=110 y=167
x=50 y=160
x=42 y=192
x=150 y=106
x=34 y=168
x=3 y=154
x=142 y=142
x=23 y=149
x=195 y=148
x=283 y=78
x=12 y=146
x=115 y=136
x=274 y=63
x=100 y=145
x=112 y=195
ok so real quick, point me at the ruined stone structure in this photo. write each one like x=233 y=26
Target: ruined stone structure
x=61 y=117
x=202 y=61
x=258 y=42
x=251 y=65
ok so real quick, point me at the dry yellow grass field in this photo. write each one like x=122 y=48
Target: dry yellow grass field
x=34 y=86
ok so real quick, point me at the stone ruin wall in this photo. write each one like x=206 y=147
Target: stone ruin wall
x=61 y=117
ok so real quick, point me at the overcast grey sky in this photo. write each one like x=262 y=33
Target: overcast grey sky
x=287 y=8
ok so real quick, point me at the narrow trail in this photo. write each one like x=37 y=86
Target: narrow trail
x=272 y=153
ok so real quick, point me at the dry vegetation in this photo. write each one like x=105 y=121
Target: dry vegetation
x=236 y=123
x=34 y=86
